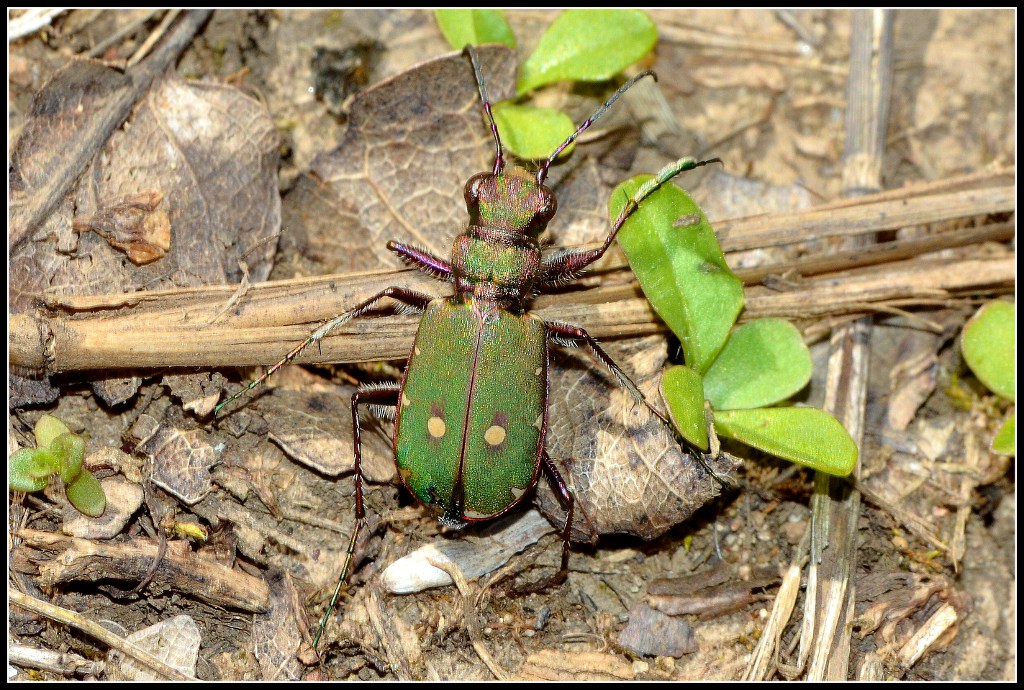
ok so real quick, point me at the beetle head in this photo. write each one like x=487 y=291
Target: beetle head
x=511 y=199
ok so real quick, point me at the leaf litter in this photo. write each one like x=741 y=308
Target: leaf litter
x=394 y=174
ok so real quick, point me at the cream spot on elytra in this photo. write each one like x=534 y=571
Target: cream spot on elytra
x=436 y=427
x=494 y=435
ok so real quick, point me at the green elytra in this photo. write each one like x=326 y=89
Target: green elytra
x=471 y=409
x=471 y=420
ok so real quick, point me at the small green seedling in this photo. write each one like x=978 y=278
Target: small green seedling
x=675 y=255
x=58 y=451
x=580 y=45
x=463 y=28
x=989 y=344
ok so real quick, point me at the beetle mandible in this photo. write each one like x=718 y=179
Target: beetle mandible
x=471 y=420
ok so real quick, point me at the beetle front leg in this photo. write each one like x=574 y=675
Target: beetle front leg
x=413 y=300
x=386 y=396
x=423 y=260
x=567 y=264
x=572 y=336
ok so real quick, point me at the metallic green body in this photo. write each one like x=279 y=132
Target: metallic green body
x=471 y=415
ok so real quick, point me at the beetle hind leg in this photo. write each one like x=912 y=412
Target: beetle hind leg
x=570 y=501
x=375 y=397
x=563 y=490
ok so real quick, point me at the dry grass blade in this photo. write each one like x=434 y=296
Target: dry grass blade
x=30 y=21
x=468 y=608
x=866 y=216
x=764 y=661
x=826 y=633
x=65 y=664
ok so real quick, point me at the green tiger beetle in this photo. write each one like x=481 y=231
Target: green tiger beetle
x=471 y=410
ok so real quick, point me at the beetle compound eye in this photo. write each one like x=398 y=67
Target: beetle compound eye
x=548 y=207
x=473 y=189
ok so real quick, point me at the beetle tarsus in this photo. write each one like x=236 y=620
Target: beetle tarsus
x=563 y=491
x=551 y=581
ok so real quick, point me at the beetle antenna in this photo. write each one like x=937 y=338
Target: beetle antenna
x=543 y=172
x=499 y=160
x=341 y=581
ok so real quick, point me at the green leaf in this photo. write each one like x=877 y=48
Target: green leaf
x=763 y=362
x=1005 y=442
x=803 y=435
x=532 y=133
x=463 y=27
x=989 y=341
x=683 y=392
x=588 y=45
x=674 y=253
x=48 y=428
x=86 y=494
x=29 y=469
x=70 y=452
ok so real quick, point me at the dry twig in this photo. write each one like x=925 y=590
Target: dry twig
x=75 y=620
x=180 y=327
x=468 y=613
x=180 y=569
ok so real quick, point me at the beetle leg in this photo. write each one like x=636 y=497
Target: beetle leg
x=567 y=264
x=382 y=396
x=413 y=300
x=571 y=336
x=364 y=396
x=563 y=491
x=423 y=260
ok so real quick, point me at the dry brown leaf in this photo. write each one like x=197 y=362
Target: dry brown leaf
x=315 y=429
x=181 y=458
x=412 y=142
x=626 y=471
x=278 y=633
x=208 y=151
